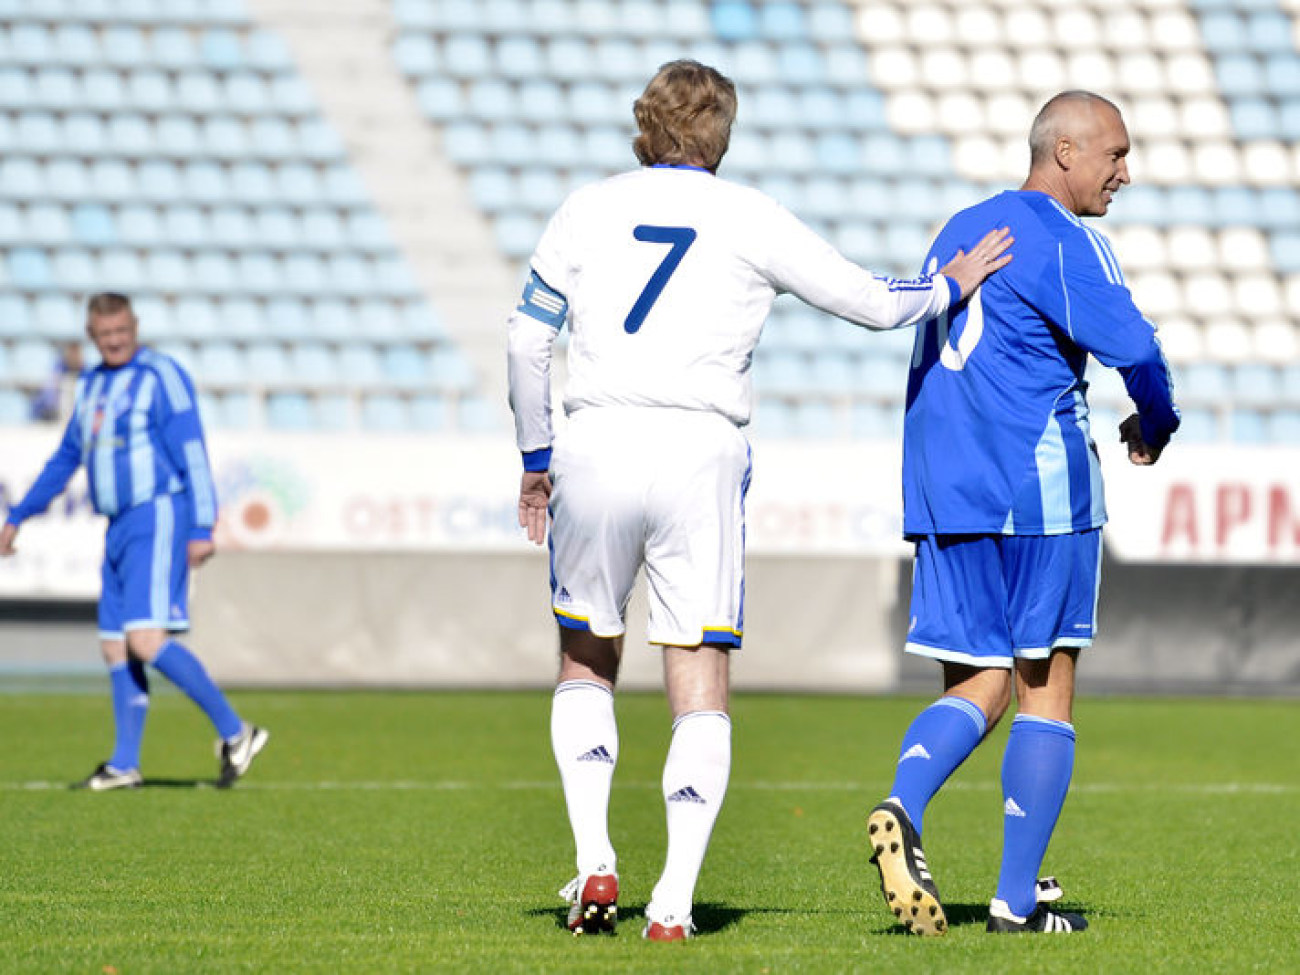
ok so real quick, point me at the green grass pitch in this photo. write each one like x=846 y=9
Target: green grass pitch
x=414 y=832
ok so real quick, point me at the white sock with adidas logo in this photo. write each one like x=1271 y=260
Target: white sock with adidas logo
x=584 y=737
x=694 y=783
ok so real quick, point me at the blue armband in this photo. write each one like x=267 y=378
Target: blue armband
x=543 y=302
x=537 y=461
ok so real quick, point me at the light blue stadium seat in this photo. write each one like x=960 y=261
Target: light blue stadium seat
x=30 y=269
x=177 y=137
x=31 y=361
x=430 y=413
x=67 y=180
x=235 y=411
x=378 y=318
x=1234 y=206
x=230 y=227
x=419 y=320
x=881 y=375
x=518 y=57
x=15 y=409
x=124 y=46
x=75 y=45
x=16 y=88
x=198 y=317
x=617 y=59
x=241 y=317
x=139 y=225
x=121 y=270
x=595 y=17
x=782 y=21
x=782 y=374
x=441 y=99
x=301 y=184
x=213 y=272
x=1279 y=207
x=58 y=315
x=493 y=189
x=884 y=154
x=85 y=131
x=1256 y=384
x=860 y=241
x=405 y=366
x=735 y=20
x=1239 y=75
x=225 y=138
x=15 y=319
x=304 y=274
x=466 y=56
x=198 y=93
x=323 y=229
x=168 y=270
x=608 y=147
x=360 y=365
x=1248 y=426
x=349 y=274
x=475 y=414
x=291 y=96
x=150 y=91
x=384 y=413
x=541 y=190
x=830 y=21
x=560 y=146
x=1202 y=382
x=205 y=182
x=272 y=138
x=221 y=363
x=267 y=363
x=22 y=179
x=274 y=227
x=570 y=59
x=38 y=133
x=1187 y=203
x=492 y=100
x=393 y=278
x=416 y=55
x=1288 y=123
x=221 y=49
x=1282 y=75
x=343 y=187
x=595 y=103
x=1285 y=248
x=259 y=273
x=1223 y=32
x=314 y=363
x=290 y=411
x=517 y=234
x=846 y=67
x=1269 y=32
x=1284 y=427
x=252 y=183
x=834 y=372
x=172 y=48
x=267 y=52
x=131 y=135
x=185 y=226
x=49 y=224
x=57 y=88
x=319 y=141
x=1253 y=118
x=332 y=317
x=287 y=317
x=801 y=64
x=449 y=371
x=31 y=44
x=823 y=197
x=874 y=421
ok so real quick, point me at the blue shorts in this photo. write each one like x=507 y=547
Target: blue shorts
x=146 y=569
x=986 y=600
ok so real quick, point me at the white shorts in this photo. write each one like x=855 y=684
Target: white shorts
x=663 y=488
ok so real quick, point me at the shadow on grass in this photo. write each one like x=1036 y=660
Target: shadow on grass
x=964 y=915
x=159 y=784
x=708 y=917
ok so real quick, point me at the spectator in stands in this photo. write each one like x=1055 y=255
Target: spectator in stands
x=53 y=401
x=1002 y=495
x=135 y=425
x=665 y=275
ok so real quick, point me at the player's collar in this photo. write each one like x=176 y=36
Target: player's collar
x=699 y=169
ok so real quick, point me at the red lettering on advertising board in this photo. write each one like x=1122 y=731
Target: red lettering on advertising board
x=1180 y=517
x=1232 y=510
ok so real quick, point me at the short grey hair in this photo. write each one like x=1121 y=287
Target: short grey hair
x=1047 y=127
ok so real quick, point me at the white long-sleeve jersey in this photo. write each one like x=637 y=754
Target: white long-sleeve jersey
x=666 y=275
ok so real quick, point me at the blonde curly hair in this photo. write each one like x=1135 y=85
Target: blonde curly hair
x=685 y=116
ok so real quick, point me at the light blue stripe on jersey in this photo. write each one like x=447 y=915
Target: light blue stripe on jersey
x=173 y=384
x=139 y=446
x=1053 y=475
x=87 y=406
x=164 y=521
x=1096 y=489
x=1105 y=256
x=104 y=479
x=205 y=494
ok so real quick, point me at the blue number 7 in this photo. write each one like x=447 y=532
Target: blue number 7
x=681 y=239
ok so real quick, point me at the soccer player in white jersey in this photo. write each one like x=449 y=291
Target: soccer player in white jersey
x=1002 y=494
x=135 y=426
x=665 y=276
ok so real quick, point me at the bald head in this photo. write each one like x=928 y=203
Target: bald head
x=1077 y=145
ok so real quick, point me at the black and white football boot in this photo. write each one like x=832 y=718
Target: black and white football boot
x=910 y=891
x=1043 y=920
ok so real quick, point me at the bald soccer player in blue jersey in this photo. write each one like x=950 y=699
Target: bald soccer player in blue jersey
x=135 y=426
x=1003 y=499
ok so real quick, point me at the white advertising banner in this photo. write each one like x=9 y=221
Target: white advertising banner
x=386 y=493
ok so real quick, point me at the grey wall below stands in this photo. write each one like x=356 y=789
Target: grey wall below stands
x=816 y=624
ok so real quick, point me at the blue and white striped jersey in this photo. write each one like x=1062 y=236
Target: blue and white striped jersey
x=996 y=438
x=136 y=428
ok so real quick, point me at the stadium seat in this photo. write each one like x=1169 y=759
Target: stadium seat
x=289 y=411
x=384 y=413
x=15 y=409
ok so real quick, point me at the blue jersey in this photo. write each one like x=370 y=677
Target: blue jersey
x=996 y=437
x=136 y=428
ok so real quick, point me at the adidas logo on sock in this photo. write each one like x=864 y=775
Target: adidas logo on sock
x=598 y=754
x=916 y=751
x=687 y=794
x=563 y=596
x=1012 y=808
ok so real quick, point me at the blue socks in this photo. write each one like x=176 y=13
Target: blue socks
x=130 y=689
x=184 y=670
x=937 y=742
x=1036 y=771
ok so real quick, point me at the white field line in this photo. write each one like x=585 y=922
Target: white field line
x=868 y=788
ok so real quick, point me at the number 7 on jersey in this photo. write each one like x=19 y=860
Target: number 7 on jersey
x=679 y=240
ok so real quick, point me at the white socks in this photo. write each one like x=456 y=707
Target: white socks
x=584 y=737
x=694 y=783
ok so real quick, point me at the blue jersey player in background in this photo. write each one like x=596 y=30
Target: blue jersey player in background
x=135 y=426
x=1003 y=499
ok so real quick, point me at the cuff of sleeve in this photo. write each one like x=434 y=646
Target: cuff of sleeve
x=200 y=533
x=537 y=461
x=954 y=290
